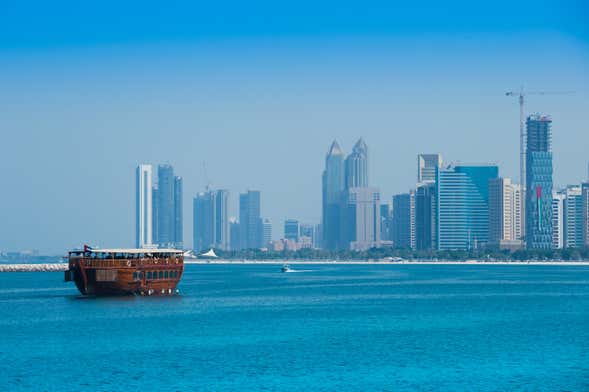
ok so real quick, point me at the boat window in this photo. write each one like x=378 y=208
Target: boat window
x=161 y=274
x=148 y=274
x=165 y=274
x=134 y=275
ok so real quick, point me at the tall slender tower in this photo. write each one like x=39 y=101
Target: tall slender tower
x=250 y=221
x=333 y=187
x=211 y=220
x=538 y=203
x=143 y=207
x=178 y=214
x=357 y=166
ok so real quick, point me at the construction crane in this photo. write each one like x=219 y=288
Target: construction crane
x=522 y=141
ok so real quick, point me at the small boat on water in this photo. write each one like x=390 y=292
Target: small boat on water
x=286 y=268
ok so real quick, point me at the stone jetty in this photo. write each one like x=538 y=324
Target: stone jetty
x=49 y=267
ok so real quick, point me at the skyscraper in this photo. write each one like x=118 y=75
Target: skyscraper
x=558 y=220
x=309 y=231
x=386 y=222
x=357 y=166
x=154 y=215
x=234 y=233
x=361 y=228
x=538 y=227
x=178 y=214
x=266 y=234
x=573 y=217
x=333 y=186
x=462 y=206
x=427 y=164
x=504 y=214
x=585 y=197
x=169 y=208
x=425 y=215
x=250 y=222
x=211 y=220
x=166 y=223
x=143 y=206
x=291 y=229
x=403 y=229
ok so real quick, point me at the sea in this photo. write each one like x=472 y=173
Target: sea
x=322 y=328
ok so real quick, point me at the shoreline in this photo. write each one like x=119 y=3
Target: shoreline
x=60 y=267
x=363 y=262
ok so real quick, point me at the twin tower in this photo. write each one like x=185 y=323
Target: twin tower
x=351 y=208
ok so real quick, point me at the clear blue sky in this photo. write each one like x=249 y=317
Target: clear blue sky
x=259 y=90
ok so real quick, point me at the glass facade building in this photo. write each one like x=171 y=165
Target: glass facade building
x=250 y=222
x=168 y=213
x=291 y=229
x=539 y=182
x=333 y=187
x=462 y=206
x=357 y=166
x=211 y=220
x=403 y=224
x=425 y=216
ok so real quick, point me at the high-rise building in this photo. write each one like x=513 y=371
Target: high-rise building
x=234 y=233
x=462 y=206
x=291 y=230
x=357 y=166
x=266 y=233
x=166 y=223
x=250 y=221
x=211 y=220
x=333 y=187
x=573 y=217
x=361 y=228
x=178 y=214
x=585 y=197
x=427 y=164
x=425 y=215
x=403 y=225
x=167 y=213
x=538 y=227
x=558 y=219
x=504 y=214
x=154 y=215
x=309 y=231
x=386 y=222
x=143 y=206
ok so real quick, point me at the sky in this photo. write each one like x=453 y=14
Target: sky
x=257 y=91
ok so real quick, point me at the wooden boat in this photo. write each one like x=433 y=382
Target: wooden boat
x=125 y=271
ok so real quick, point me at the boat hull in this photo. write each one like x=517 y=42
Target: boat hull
x=125 y=277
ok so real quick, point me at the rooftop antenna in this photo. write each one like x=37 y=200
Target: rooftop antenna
x=206 y=177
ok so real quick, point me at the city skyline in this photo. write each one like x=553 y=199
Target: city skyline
x=251 y=99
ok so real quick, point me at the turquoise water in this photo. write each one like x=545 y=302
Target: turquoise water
x=346 y=327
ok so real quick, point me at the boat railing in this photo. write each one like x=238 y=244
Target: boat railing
x=131 y=262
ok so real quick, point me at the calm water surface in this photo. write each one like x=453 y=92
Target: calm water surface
x=346 y=327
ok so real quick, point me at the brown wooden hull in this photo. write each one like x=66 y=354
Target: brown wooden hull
x=125 y=277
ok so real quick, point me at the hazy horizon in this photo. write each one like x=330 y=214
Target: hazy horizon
x=259 y=95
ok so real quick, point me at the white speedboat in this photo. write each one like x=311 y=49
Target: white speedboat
x=286 y=268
